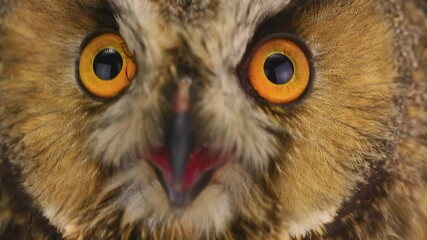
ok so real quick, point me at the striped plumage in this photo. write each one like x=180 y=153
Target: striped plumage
x=348 y=161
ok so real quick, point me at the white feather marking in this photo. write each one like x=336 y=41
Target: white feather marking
x=313 y=221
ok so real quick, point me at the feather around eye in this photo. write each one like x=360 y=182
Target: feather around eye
x=279 y=70
x=106 y=67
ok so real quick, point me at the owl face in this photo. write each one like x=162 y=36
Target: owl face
x=204 y=118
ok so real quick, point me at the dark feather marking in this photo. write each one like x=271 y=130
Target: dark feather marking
x=22 y=204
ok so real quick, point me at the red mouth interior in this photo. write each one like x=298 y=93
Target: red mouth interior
x=200 y=162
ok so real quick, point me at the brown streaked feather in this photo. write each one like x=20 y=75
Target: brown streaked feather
x=347 y=162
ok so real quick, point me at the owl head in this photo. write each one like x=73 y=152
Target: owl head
x=195 y=119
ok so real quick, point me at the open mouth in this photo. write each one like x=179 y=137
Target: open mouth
x=184 y=166
x=185 y=182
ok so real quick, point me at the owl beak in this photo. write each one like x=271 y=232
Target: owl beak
x=179 y=134
x=184 y=169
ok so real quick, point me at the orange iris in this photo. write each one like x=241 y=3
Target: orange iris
x=106 y=66
x=279 y=71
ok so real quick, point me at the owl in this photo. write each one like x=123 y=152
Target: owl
x=213 y=119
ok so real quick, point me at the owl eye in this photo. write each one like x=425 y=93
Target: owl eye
x=106 y=67
x=279 y=70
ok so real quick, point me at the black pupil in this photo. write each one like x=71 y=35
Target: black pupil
x=279 y=69
x=107 y=64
